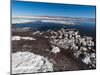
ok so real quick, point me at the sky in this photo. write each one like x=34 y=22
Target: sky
x=22 y=8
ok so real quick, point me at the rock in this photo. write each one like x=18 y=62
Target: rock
x=86 y=60
x=74 y=47
x=37 y=32
x=93 y=55
x=77 y=54
x=46 y=36
x=83 y=49
x=80 y=45
x=90 y=43
x=55 y=49
x=89 y=48
x=84 y=43
x=77 y=36
x=60 y=37
x=89 y=38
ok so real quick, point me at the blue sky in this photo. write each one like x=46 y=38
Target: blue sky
x=21 y=8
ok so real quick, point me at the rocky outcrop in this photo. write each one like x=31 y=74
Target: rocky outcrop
x=81 y=46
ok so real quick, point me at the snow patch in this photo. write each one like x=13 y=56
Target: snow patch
x=26 y=62
x=28 y=38
x=22 y=38
x=16 y=38
x=55 y=49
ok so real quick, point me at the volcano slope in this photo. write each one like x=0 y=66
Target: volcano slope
x=75 y=52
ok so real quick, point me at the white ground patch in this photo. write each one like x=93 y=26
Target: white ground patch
x=22 y=38
x=55 y=49
x=16 y=38
x=26 y=62
x=86 y=60
x=28 y=38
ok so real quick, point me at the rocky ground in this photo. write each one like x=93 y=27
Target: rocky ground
x=67 y=50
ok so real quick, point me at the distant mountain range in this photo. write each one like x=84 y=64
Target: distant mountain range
x=51 y=19
x=55 y=18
